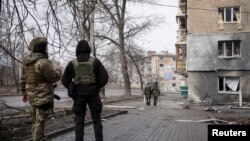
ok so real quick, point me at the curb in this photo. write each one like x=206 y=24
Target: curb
x=61 y=131
x=123 y=100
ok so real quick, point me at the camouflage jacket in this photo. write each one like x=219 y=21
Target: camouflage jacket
x=41 y=92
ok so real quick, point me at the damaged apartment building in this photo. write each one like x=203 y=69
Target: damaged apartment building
x=158 y=67
x=218 y=50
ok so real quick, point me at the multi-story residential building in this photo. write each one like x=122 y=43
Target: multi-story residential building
x=218 y=50
x=158 y=68
x=180 y=45
x=6 y=70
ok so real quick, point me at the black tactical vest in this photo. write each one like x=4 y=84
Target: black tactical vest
x=155 y=90
x=147 y=90
x=84 y=71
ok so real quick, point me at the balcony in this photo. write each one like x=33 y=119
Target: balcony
x=181 y=51
x=181 y=66
x=180 y=16
x=182 y=5
x=182 y=36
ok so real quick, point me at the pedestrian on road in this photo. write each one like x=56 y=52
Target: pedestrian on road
x=36 y=85
x=148 y=93
x=83 y=77
x=155 y=92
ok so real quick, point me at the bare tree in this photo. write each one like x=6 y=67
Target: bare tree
x=136 y=54
x=122 y=24
x=61 y=22
x=64 y=22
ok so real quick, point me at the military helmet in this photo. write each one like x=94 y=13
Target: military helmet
x=35 y=42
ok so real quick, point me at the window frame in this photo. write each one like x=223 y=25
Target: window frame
x=224 y=91
x=231 y=14
x=222 y=48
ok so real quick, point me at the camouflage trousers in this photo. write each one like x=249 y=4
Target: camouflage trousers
x=39 y=116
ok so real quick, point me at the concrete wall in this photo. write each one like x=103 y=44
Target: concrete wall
x=205 y=29
x=202 y=52
x=204 y=86
x=206 y=21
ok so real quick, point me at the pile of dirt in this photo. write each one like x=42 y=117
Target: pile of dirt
x=114 y=99
x=17 y=128
x=237 y=121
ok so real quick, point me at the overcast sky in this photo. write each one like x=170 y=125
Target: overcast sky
x=164 y=36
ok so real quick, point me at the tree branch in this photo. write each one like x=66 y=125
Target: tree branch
x=108 y=38
x=10 y=54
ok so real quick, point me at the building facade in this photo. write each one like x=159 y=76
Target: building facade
x=181 y=43
x=218 y=50
x=159 y=68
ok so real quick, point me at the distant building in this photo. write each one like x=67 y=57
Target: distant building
x=218 y=50
x=6 y=70
x=158 y=68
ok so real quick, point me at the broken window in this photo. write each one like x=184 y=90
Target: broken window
x=220 y=49
x=221 y=84
x=173 y=84
x=161 y=65
x=229 y=14
x=229 y=84
x=229 y=48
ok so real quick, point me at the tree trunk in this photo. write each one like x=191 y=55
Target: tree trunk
x=124 y=64
x=138 y=70
x=1 y=75
x=15 y=76
x=0 y=7
x=119 y=19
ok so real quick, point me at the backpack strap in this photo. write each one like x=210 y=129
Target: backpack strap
x=75 y=62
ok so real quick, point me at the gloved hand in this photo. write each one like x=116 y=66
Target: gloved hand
x=25 y=98
x=58 y=69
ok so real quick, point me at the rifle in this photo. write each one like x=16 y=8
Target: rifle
x=55 y=95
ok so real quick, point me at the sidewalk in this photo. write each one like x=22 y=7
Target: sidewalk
x=151 y=123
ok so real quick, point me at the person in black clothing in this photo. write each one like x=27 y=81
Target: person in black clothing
x=83 y=77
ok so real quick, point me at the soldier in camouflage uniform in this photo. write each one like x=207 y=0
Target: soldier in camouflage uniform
x=155 y=92
x=148 y=93
x=36 y=84
x=84 y=77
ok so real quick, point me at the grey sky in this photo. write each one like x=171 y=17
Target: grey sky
x=164 y=36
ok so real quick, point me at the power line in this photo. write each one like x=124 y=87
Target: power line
x=172 y=6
